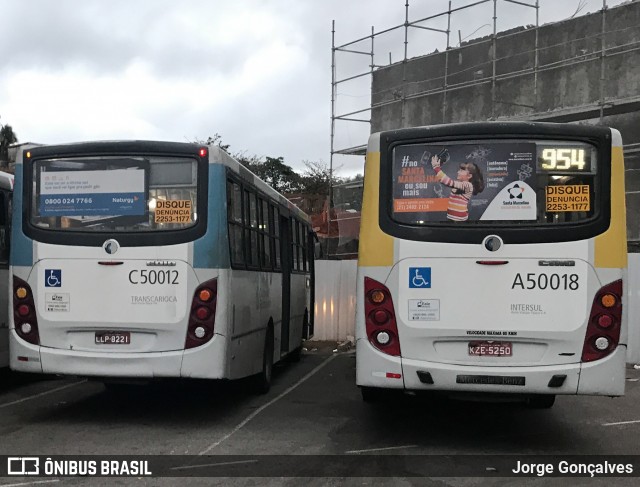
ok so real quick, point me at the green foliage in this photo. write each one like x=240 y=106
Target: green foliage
x=314 y=180
x=7 y=137
x=274 y=172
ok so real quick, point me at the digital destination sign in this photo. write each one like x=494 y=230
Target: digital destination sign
x=565 y=158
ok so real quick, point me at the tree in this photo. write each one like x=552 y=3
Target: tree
x=215 y=139
x=7 y=137
x=274 y=172
x=317 y=177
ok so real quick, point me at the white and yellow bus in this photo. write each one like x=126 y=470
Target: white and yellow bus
x=154 y=259
x=492 y=260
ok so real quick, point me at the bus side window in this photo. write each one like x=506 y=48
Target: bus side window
x=265 y=230
x=294 y=244
x=234 y=216
x=252 y=224
x=276 y=237
x=304 y=231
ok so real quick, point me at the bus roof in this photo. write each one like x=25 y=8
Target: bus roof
x=216 y=156
x=219 y=156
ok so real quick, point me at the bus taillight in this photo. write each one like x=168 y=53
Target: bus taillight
x=603 y=329
x=24 y=312
x=380 y=318
x=202 y=315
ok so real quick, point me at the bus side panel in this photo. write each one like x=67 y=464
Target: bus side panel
x=605 y=377
x=254 y=301
x=210 y=361
x=21 y=245
x=4 y=318
x=298 y=303
x=211 y=251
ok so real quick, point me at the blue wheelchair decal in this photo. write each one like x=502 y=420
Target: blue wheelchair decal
x=419 y=277
x=53 y=278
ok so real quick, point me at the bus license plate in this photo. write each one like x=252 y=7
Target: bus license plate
x=113 y=337
x=492 y=349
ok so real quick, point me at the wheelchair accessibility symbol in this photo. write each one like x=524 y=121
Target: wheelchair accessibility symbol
x=53 y=278
x=419 y=277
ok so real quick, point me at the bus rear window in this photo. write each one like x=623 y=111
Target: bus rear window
x=121 y=194
x=494 y=182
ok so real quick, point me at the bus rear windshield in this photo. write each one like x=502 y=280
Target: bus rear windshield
x=115 y=194
x=495 y=182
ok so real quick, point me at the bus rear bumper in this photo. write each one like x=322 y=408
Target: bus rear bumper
x=202 y=362
x=509 y=380
x=605 y=377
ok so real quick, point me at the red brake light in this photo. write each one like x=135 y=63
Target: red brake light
x=24 y=315
x=203 y=314
x=23 y=310
x=603 y=329
x=380 y=318
x=203 y=152
x=605 y=321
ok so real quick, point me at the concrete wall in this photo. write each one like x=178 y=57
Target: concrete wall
x=568 y=75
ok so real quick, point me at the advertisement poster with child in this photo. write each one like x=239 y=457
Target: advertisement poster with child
x=460 y=182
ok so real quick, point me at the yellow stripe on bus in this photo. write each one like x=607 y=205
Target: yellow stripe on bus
x=376 y=247
x=611 y=246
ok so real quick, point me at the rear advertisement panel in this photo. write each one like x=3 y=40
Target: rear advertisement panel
x=493 y=181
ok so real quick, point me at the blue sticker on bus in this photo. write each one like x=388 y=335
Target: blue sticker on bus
x=53 y=278
x=419 y=277
x=93 y=204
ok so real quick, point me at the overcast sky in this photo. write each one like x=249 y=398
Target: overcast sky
x=256 y=72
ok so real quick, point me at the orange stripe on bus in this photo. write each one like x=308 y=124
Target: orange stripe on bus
x=420 y=205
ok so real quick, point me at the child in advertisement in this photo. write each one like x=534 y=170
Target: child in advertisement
x=469 y=182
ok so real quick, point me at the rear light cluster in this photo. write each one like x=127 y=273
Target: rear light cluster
x=380 y=318
x=203 y=314
x=24 y=312
x=603 y=329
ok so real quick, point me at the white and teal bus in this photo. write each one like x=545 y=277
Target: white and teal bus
x=154 y=259
x=6 y=193
x=492 y=261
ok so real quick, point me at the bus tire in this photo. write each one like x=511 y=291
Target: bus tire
x=296 y=354
x=543 y=401
x=372 y=395
x=262 y=381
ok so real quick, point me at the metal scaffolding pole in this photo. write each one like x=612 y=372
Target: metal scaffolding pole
x=603 y=47
x=446 y=67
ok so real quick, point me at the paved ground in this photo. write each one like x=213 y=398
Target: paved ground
x=313 y=408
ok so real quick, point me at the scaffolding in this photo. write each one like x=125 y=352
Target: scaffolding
x=445 y=84
x=599 y=110
x=349 y=48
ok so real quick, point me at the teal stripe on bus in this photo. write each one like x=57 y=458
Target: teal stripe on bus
x=212 y=250
x=22 y=246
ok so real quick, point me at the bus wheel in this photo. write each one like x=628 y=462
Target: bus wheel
x=262 y=381
x=543 y=401
x=372 y=395
x=296 y=354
